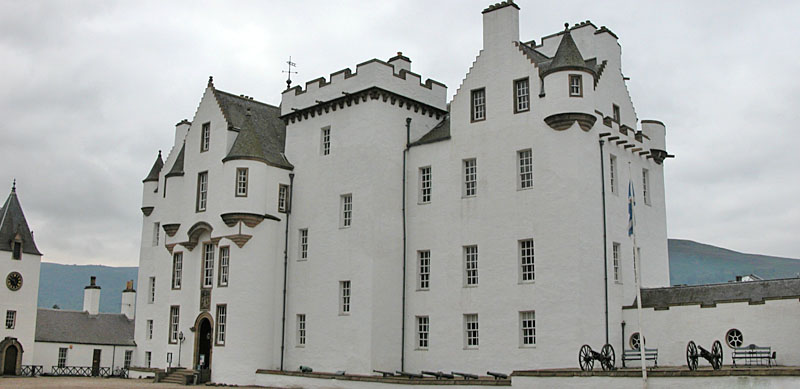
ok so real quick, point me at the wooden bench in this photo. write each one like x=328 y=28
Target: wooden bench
x=650 y=354
x=752 y=354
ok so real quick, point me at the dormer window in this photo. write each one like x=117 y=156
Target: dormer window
x=575 y=85
x=16 y=252
x=205 y=137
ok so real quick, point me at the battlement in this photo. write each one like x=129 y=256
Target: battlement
x=393 y=77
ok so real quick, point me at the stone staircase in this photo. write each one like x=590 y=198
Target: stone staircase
x=178 y=376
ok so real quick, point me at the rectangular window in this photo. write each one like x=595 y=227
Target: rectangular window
x=616 y=250
x=156 y=227
x=425 y=185
x=478 y=104
x=525 y=169
x=16 y=252
x=62 y=357
x=470 y=265
x=127 y=361
x=202 y=191
x=177 y=270
x=241 y=182
x=575 y=85
x=646 y=186
x=526 y=260
x=470 y=177
x=615 y=110
x=149 y=329
x=304 y=243
x=471 y=330
x=301 y=330
x=151 y=295
x=205 y=137
x=283 y=198
x=522 y=95
x=612 y=174
x=208 y=265
x=148 y=357
x=224 y=263
x=423 y=328
x=344 y=297
x=424 y=274
x=222 y=316
x=527 y=328
x=11 y=319
x=174 y=320
x=347 y=210
x=325 y=141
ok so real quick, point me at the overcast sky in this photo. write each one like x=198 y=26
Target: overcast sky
x=91 y=90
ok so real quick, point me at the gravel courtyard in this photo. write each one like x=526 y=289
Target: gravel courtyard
x=83 y=382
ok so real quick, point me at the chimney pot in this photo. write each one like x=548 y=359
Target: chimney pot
x=92 y=280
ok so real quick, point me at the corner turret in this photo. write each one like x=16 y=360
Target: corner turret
x=150 y=186
x=15 y=236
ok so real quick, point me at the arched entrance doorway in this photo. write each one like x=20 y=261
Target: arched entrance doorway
x=203 y=345
x=10 y=356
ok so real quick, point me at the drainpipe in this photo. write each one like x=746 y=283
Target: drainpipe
x=403 y=326
x=605 y=234
x=286 y=265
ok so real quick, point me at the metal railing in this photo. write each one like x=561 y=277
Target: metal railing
x=32 y=370
x=80 y=371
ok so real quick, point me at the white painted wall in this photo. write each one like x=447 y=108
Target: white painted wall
x=80 y=355
x=24 y=300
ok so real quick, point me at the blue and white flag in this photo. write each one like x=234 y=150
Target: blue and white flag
x=631 y=204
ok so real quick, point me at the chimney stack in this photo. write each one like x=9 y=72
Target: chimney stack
x=128 y=306
x=500 y=25
x=91 y=297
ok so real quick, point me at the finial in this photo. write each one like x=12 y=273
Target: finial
x=210 y=81
x=566 y=26
x=159 y=153
x=289 y=72
x=399 y=53
x=14 y=186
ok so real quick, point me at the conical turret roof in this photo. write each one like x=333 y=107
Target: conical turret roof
x=248 y=144
x=177 y=167
x=153 y=176
x=567 y=57
x=13 y=225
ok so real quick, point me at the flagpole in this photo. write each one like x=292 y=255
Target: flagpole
x=637 y=272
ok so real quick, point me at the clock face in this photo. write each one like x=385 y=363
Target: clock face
x=14 y=281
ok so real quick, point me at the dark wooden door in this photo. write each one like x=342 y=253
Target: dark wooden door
x=10 y=365
x=96 y=363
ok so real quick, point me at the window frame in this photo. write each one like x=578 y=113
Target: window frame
x=475 y=104
x=11 y=319
x=346 y=210
x=517 y=95
x=223 y=271
x=572 y=85
x=302 y=241
x=207 y=266
x=202 y=192
x=615 y=113
x=345 y=297
x=646 y=187
x=174 y=324
x=156 y=233
x=301 y=330
x=523 y=181
x=127 y=359
x=149 y=329
x=471 y=342
x=423 y=269
x=325 y=141
x=283 y=198
x=425 y=184
x=613 y=175
x=423 y=330
x=63 y=352
x=16 y=249
x=221 y=325
x=177 y=270
x=148 y=358
x=470 y=254
x=526 y=276
x=616 y=252
x=525 y=316
x=205 y=137
x=469 y=187
x=242 y=181
x=151 y=296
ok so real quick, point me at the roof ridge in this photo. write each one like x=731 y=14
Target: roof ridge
x=245 y=99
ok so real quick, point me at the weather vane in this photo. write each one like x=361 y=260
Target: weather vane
x=291 y=64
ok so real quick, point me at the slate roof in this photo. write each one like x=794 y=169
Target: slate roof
x=153 y=175
x=12 y=222
x=567 y=57
x=438 y=133
x=751 y=291
x=263 y=133
x=177 y=166
x=55 y=325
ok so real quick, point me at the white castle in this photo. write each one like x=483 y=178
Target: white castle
x=368 y=224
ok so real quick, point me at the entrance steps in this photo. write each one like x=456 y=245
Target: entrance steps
x=178 y=376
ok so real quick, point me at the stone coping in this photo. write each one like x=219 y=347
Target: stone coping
x=481 y=381
x=670 y=371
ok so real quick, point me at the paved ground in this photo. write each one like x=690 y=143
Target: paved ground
x=83 y=382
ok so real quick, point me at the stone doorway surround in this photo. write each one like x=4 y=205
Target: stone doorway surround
x=5 y=345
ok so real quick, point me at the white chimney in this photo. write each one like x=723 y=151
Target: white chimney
x=500 y=25
x=91 y=297
x=400 y=62
x=128 y=307
x=181 y=129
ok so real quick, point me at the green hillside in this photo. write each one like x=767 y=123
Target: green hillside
x=63 y=285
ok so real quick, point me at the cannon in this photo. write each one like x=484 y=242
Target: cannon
x=587 y=356
x=714 y=357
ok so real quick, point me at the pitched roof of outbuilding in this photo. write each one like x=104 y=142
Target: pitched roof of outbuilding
x=54 y=325
x=153 y=175
x=751 y=291
x=12 y=222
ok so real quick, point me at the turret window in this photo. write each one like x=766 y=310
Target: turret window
x=575 y=85
x=205 y=137
x=478 y=104
x=17 y=250
x=283 y=194
x=522 y=95
x=241 y=182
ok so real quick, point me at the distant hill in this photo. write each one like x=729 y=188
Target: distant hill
x=63 y=285
x=694 y=263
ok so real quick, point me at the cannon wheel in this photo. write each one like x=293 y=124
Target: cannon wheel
x=716 y=352
x=609 y=357
x=585 y=358
x=691 y=355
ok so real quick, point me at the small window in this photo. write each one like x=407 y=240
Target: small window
x=150 y=329
x=344 y=297
x=522 y=95
x=62 y=357
x=11 y=319
x=148 y=357
x=303 y=243
x=425 y=185
x=301 y=330
x=16 y=252
x=347 y=210
x=616 y=250
x=478 y=104
x=325 y=141
x=646 y=186
x=734 y=338
x=222 y=323
x=205 y=137
x=526 y=260
x=224 y=264
x=527 y=328
x=208 y=265
x=615 y=110
x=174 y=319
x=470 y=177
x=128 y=356
x=156 y=227
x=283 y=198
x=423 y=328
x=634 y=342
x=202 y=191
x=525 y=163
x=471 y=330
x=151 y=296
x=575 y=85
x=177 y=270
x=470 y=265
x=424 y=273
x=241 y=182
x=612 y=174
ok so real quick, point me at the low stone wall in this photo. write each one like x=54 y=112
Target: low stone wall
x=285 y=379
